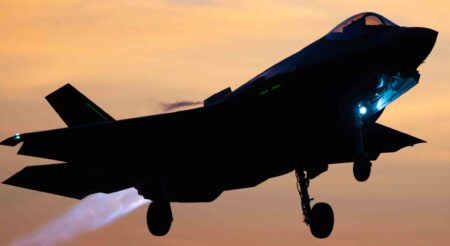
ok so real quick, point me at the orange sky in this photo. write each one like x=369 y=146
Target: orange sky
x=129 y=56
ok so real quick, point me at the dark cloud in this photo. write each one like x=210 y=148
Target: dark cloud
x=180 y=104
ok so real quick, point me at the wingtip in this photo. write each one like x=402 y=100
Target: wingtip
x=418 y=141
x=8 y=181
x=12 y=141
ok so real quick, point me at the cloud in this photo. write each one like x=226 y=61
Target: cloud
x=180 y=104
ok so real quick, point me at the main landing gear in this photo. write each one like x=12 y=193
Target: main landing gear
x=320 y=218
x=159 y=218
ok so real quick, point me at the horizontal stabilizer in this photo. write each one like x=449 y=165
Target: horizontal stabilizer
x=67 y=180
x=74 y=108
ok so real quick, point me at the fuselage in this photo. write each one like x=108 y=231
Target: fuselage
x=288 y=115
x=329 y=72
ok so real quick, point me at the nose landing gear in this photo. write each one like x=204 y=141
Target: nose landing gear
x=320 y=218
x=362 y=165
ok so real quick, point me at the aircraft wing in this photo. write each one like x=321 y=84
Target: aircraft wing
x=378 y=139
x=92 y=133
x=383 y=139
x=78 y=180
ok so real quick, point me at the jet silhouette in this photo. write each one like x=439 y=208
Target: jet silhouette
x=315 y=108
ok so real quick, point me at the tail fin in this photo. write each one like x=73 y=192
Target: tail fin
x=75 y=108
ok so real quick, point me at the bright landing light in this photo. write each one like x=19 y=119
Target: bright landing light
x=362 y=110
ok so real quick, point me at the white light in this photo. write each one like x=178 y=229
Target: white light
x=17 y=136
x=362 y=110
x=381 y=83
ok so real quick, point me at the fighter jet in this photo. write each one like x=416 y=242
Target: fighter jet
x=315 y=108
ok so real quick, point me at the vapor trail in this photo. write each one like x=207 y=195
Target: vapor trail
x=91 y=213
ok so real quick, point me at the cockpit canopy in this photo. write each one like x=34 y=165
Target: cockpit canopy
x=357 y=26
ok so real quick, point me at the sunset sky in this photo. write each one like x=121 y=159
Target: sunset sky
x=132 y=56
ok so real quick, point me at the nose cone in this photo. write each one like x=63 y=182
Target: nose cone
x=425 y=38
x=422 y=32
x=414 y=44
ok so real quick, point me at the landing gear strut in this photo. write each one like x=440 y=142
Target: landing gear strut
x=362 y=165
x=320 y=218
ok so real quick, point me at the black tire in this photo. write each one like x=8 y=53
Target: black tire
x=321 y=220
x=159 y=218
x=362 y=169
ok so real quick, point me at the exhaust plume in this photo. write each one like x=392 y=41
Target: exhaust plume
x=174 y=105
x=91 y=213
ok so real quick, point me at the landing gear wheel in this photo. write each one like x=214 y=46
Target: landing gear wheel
x=321 y=220
x=362 y=168
x=159 y=218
